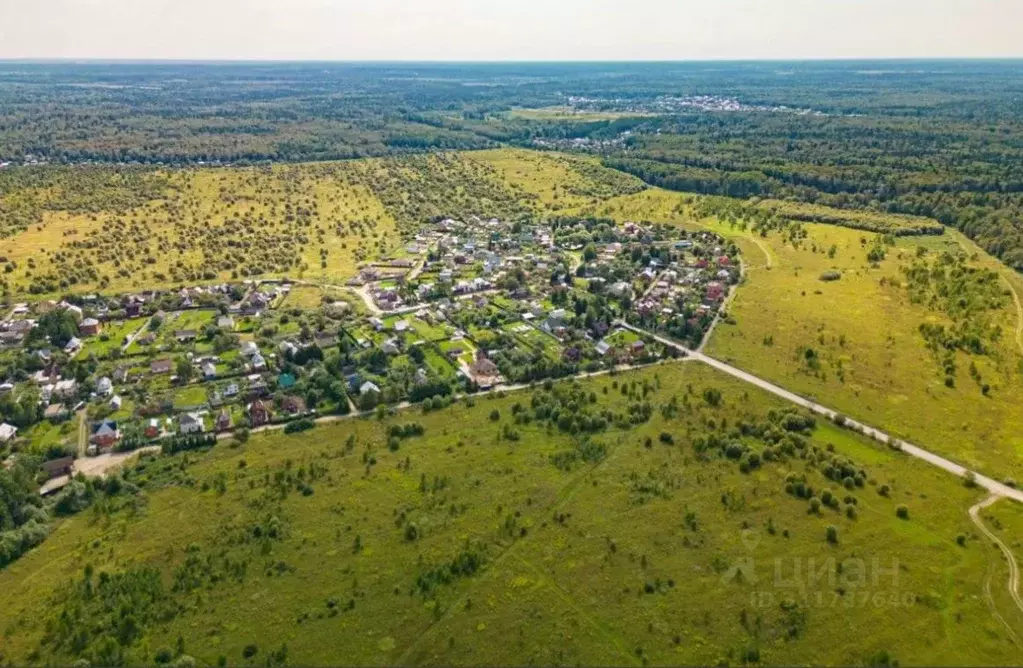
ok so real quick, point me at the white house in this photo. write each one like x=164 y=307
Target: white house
x=190 y=423
x=7 y=432
x=104 y=386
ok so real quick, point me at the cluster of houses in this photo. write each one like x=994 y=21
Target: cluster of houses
x=458 y=278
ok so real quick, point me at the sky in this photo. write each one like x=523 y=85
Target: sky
x=509 y=29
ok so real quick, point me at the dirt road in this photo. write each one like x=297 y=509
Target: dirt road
x=1009 y=556
x=990 y=485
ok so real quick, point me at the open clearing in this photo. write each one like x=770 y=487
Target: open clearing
x=580 y=561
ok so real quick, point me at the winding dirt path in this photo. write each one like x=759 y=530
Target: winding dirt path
x=1009 y=557
x=762 y=247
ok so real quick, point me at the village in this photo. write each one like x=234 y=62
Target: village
x=465 y=306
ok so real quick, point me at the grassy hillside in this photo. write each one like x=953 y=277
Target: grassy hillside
x=204 y=225
x=558 y=181
x=491 y=540
x=87 y=229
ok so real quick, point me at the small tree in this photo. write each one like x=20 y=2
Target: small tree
x=183 y=369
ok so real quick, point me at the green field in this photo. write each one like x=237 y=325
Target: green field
x=548 y=549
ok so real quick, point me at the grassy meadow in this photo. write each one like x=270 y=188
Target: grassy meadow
x=559 y=181
x=470 y=545
x=308 y=221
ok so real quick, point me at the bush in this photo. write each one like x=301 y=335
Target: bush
x=495 y=415
x=712 y=396
x=665 y=437
x=828 y=276
x=73 y=499
x=832 y=533
x=296 y=426
x=815 y=505
x=250 y=651
x=902 y=512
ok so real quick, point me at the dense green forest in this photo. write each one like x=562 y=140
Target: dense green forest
x=940 y=139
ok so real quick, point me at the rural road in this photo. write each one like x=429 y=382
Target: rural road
x=1009 y=557
x=989 y=484
x=405 y=405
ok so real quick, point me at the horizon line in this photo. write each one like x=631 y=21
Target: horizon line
x=456 y=61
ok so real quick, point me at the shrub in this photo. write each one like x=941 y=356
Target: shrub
x=250 y=651
x=815 y=505
x=298 y=425
x=665 y=437
x=495 y=415
x=902 y=512
x=832 y=533
x=832 y=275
x=712 y=396
x=73 y=498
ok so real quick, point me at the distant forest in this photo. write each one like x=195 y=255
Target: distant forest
x=942 y=139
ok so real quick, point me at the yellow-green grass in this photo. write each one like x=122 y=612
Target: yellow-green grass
x=304 y=297
x=891 y=379
x=569 y=553
x=190 y=396
x=559 y=181
x=185 y=229
x=1005 y=520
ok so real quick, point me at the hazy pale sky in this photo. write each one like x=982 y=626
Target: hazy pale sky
x=509 y=29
